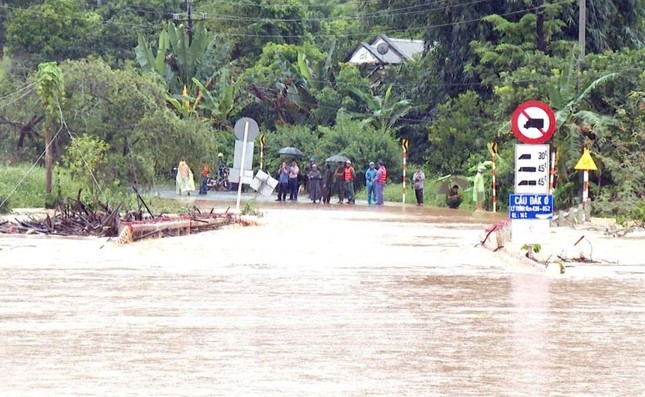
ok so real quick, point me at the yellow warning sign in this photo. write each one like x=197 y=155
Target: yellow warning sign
x=404 y=144
x=586 y=162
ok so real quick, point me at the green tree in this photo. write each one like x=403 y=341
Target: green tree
x=52 y=31
x=128 y=112
x=87 y=161
x=459 y=134
x=361 y=143
x=384 y=110
x=51 y=88
x=178 y=60
x=586 y=97
x=273 y=81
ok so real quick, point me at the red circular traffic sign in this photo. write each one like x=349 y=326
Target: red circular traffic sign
x=533 y=122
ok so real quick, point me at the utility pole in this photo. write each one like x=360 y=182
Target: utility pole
x=539 y=28
x=582 y=21
x=189 y=29
x=189 y=20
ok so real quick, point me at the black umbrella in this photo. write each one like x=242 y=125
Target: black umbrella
x=337 y=158
x=448 y=181
x=292 y=151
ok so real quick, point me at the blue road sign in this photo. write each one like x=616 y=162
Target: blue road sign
x=530 y=206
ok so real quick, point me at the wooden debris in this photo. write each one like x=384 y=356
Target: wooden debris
x=71 y=218
x=75 y=218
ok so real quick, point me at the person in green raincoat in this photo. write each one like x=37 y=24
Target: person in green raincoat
x=479 y=191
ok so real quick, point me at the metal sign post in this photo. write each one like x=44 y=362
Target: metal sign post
x=404 y=146
x=245 y=129
x=493 y=151
x=531 y=207
x=262 y=142
x=585 y=164
x=239 y=181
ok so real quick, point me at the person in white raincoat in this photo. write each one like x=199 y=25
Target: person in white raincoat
x=184 y=181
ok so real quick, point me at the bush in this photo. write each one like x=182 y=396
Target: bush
x=29 y=186
x=5 y=204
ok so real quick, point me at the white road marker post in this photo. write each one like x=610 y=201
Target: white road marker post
x=239 y=183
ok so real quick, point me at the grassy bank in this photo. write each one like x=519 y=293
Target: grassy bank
x=5 y=64
x=394 y=193
x=24 y=187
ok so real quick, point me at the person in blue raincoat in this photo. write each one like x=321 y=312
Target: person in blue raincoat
x=370 y=174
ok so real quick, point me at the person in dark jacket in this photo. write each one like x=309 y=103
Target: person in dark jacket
x=315 y=177
x=453 y=199
x=339 y=180
x=327 y=184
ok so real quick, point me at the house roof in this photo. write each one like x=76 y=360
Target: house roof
x=398 y=51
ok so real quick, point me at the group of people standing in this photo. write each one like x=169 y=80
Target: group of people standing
x=322 y=184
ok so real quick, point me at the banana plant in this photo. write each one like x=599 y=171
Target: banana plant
x=386 y=109
x=178 y=59
x=218 y=98
x=569 y=102
x=309 y=79
x=156 y=64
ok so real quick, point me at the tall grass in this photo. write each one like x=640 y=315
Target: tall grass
x=25 y=188
x=393 y=192
x=5 y=64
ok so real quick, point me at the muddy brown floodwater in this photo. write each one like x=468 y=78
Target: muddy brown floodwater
x=327 y=302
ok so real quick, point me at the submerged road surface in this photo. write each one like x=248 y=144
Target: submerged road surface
x=347 y=301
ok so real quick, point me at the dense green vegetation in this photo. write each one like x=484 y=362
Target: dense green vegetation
x=142 y=88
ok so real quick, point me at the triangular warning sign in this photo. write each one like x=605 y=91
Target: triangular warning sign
x=586 y=162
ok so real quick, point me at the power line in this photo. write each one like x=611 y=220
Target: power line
x=272 y=20
x=362 y=16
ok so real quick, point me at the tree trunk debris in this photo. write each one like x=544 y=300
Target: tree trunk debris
x=75 y=218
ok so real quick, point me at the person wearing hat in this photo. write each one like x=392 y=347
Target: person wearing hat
x=479 y=192
x=349 y=176
x=222 y=168
x=370 y=174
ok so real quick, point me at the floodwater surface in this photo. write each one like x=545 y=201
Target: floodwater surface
x=368 y=302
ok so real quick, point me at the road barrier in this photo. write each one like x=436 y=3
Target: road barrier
x=573 y=216
x=501 y=232
x=169 y=226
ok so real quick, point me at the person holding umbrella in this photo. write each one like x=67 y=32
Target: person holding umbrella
x=339 y=179
x=453 y=198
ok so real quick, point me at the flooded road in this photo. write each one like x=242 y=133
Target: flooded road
x=327 y=302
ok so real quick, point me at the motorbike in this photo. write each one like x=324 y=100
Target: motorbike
x=220 y=181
